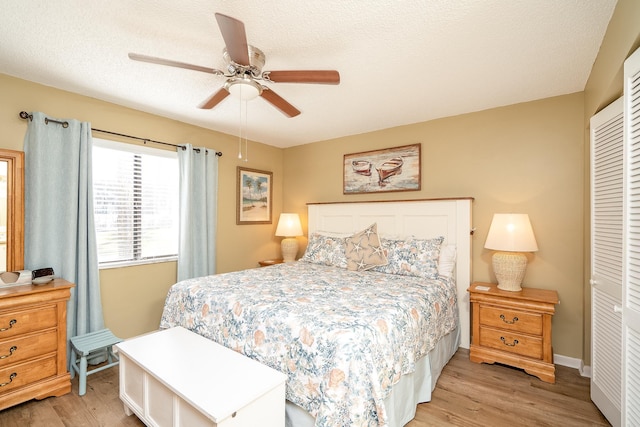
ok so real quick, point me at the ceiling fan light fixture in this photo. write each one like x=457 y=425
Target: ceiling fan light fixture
x=244 y=89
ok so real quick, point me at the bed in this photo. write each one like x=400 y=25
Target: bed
x=360 y=345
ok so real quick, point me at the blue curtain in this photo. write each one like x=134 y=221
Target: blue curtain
x=198 y=212
x=59 y=224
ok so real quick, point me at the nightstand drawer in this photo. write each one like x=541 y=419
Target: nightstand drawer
x=512 y=320
x=523 y=345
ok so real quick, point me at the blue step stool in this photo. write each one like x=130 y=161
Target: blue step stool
x=87 y=347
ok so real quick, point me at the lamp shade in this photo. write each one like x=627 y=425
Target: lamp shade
x=289 y=225
x=511 y=233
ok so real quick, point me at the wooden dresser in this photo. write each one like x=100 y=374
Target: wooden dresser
x=513 y=328
x=33 y=342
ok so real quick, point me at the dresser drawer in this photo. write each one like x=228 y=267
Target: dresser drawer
x=523 y=345
x=17 y=349
x=19 y=322
x=27 y=373
x=512 y=320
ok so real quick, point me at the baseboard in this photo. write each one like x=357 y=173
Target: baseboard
x=572 y=362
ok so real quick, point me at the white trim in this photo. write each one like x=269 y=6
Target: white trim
x=120 y=264
x=572 y=362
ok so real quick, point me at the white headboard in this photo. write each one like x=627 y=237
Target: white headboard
x=450 y=218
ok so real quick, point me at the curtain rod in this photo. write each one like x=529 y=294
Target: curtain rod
x=25 y=115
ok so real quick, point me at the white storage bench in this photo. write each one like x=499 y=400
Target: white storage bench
x=175 y=377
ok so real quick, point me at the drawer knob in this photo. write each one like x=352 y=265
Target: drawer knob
x=11 y=350
x=11 y=323
x=11 y=377
x=510 y=322
x=506 y=343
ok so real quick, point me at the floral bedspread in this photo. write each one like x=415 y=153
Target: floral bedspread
x=342 y=337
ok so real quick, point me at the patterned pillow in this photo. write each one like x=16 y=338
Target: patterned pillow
x=412 y=257
x=325 y=250
x=364 y=250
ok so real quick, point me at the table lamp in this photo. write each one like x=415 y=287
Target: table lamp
x=510 y=235
x=289 y=227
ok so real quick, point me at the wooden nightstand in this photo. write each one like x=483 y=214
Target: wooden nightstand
x=268 y=262
x=513 y=328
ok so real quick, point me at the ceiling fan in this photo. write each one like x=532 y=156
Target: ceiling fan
x=244 y=70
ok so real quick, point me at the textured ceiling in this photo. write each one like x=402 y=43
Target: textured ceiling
x=400 y=61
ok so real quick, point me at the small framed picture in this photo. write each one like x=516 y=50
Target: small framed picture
x=254 y=198
x=389 y=169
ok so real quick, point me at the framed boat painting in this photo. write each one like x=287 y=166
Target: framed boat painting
x=254 y=196
x=389 y=169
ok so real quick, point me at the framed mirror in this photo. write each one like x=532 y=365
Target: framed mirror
x=11 y=210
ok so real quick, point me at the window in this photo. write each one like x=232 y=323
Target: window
x=135 y=191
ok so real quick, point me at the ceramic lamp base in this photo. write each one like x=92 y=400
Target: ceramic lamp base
x=289 y=247
x=509 y=268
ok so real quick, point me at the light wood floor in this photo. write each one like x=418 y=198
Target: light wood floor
x=467 y=394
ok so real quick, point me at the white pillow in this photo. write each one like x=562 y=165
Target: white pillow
x=447 y=260
x=333 y=234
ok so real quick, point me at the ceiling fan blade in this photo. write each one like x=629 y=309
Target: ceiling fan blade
x=279 y=102
x=301 y=76
x=171 y=63
x=214 y=99
x=235 y=38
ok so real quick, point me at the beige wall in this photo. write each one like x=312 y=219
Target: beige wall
x=132 y=297
x=605 y=85
x=521 y=158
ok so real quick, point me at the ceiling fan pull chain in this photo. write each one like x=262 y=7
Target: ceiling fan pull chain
x=246 y=128
x=240 y=133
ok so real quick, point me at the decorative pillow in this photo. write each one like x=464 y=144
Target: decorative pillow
x=447 y=261
x=412 y=257
x=364 y=250
x=325 y=250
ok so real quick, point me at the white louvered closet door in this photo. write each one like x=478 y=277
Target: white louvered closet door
x=607 y=168
x=631 y=293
